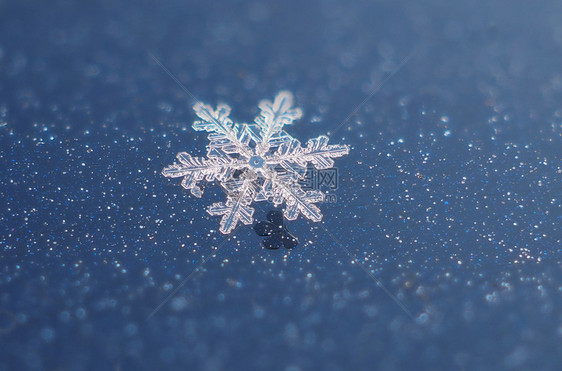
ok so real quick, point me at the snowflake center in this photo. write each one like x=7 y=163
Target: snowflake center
x=256 y=162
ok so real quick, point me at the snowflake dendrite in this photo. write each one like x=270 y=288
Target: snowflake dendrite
x=255 y=162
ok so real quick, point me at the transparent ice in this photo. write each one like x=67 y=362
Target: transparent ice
x=255 y=162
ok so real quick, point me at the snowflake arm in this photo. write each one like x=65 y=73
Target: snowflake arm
x=320 y=154
x=237 y=206
x=297 y=201
x=195 y=169
x=273 y=117
x=291 y=156
x=230 y=137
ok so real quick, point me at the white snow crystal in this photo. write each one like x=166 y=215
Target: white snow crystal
x=255 y=162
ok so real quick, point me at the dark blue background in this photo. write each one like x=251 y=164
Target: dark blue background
x=450 y=195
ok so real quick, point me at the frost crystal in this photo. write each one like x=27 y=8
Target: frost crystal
x=255 y=162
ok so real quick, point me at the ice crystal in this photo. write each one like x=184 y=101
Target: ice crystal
x=255 y=162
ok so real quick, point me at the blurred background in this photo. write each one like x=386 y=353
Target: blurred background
x=450 y=196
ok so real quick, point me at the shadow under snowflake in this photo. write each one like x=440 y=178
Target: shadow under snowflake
x=276 y=232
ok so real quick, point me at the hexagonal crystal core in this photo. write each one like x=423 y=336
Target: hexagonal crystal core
x=256 y=162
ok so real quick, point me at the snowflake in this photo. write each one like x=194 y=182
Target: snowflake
x=255 y=162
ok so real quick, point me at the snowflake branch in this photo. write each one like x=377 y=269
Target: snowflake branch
x=273 y=116
x=227 y=134
x=236 y=208
x=195 y=169
x=293 y=157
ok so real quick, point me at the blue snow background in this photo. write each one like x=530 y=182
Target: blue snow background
x=450 y=196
